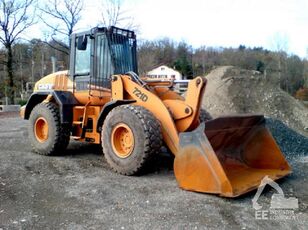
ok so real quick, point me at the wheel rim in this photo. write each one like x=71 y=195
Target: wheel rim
x=122 y=139
x=41 y=129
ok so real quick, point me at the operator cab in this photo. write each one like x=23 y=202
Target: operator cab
x=98 y=54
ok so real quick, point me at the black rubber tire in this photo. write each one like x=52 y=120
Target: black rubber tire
x=58 y=134
x=147 y=137
x=204 y=115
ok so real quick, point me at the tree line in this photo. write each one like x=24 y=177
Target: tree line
x=60 y=18
x=24 y=61
x=290 y=72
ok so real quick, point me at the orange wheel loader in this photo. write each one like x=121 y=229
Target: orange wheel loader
x=102 y=100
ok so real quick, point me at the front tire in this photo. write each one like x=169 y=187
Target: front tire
x=46 y=133
x=131 y=135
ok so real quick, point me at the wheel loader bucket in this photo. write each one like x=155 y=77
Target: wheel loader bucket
x=228 y=156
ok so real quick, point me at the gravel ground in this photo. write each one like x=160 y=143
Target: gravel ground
x=79 y=191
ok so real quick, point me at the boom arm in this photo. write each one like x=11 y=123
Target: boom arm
x=174 y=115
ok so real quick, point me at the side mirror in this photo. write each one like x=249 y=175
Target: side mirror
x=82 y=42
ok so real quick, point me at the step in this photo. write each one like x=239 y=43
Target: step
x=79 y=107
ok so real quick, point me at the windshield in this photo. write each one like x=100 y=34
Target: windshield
x=123 y=53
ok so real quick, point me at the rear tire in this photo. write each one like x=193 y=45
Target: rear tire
x=46 y=133
x=131 y=136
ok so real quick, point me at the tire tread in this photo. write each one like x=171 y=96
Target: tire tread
x=62 y=131
x=153 y=139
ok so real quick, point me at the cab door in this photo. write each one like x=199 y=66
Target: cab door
x=82 y=61
x=103 y=64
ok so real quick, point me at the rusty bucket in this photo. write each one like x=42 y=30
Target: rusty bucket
x=228 y=156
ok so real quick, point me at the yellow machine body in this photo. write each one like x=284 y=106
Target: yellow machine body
x=102 y=100
x=228 y=156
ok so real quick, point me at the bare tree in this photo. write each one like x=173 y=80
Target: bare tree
x=63 y=17
x=306 y=70
x=15 y=18
x=280 y=44
x=113 y=14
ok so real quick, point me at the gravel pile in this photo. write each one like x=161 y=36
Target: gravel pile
x=231 y=90
x=291 y=143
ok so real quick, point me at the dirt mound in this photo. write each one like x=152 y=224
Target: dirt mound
x=231 y=90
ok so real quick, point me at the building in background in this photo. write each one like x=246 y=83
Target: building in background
x=164 y=72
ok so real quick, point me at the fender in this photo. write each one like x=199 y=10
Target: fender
x=64 y=99
x=107 y=108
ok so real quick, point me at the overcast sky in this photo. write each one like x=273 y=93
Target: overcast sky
x=217 y=22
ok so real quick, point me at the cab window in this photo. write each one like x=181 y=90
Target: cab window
x=82 y=60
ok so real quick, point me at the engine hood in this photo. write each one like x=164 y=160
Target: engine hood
x=56 y=81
